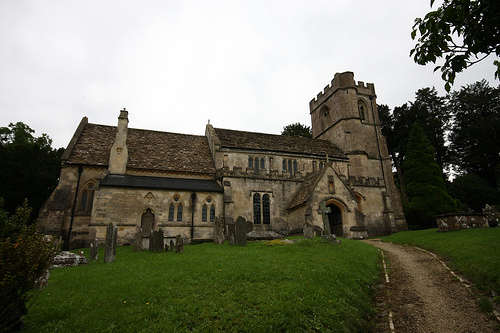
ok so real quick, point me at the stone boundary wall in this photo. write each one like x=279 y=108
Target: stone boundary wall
x=449 y=222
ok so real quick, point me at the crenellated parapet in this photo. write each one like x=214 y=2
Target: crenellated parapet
x=366 y=181
x=342 y=81
x=238 y=172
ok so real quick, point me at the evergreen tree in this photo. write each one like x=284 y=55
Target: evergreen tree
x=298 y=130
x=424 y=187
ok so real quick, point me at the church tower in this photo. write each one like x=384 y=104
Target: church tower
x=345 y=113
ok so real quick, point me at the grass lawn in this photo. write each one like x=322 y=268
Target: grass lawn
x=306 y=286
x=473 y=252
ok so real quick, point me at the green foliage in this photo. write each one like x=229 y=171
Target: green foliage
x=475 y=135
x=298 y=130
x=473 y=252
x=473 y=192
x=306 y=286
x=24 y=257
x=29 y=167
x=463 y=32
x=424 y=187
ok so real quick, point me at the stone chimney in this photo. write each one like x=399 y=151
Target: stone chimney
x=119 y=152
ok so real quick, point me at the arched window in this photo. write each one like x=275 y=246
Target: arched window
x=256 y=209
x=179 y=213
x=212 y=213
x=204 y=213
x=250 y=162
x=171 y=212
x=290 y=165
x=284 y=165
x=262 y=163
x=320 y=165
x=266 y=211
x=295 y=166
x=256 y=165
x=87 y=198
x=362 y=110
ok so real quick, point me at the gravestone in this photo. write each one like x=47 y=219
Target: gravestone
x=231 y=231
x=218 y=231
x=179 y=242
x=172 y=245
x=138 y=241
x=93 y=249
x=323 y=210
x=166 y=247
x=308 y=231
x=240 y=234
x=156 y=242
x=110 y=246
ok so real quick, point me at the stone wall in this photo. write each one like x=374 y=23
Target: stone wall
x=449 y=222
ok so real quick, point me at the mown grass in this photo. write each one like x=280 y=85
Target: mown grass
x=473 y=252
x=306 y=286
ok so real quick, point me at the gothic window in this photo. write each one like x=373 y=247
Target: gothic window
x=289 y=165
x=256 y=209
x=171 y=212
x=266 y=211
x=204 y=213
x=295 y=166
x=362 y=110
x=179 y=213
x=87 y=198
x=256 y=165
x=325 y=111
x=284 y=165
x=262 y=163
x=320 y=165
x=250 y=162
x=212 y=213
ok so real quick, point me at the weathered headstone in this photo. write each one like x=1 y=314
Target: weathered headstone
x=93 y=249
x=308 y=231
x=110 y=246
x=172 y=245
x=323 y=210
x=218 y=231
x=156 y=242
x=138 y=241
x=231 y=231
x=166 y=247
x=179 y=242
x=240 y=235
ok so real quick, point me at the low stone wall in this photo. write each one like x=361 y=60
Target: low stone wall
x=449 y=222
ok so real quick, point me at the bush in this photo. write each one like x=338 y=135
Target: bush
x=25 y=256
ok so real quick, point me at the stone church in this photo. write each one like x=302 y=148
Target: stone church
x=144 y=180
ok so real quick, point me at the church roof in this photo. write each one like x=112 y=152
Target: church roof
x=206 y=185
x=306 y=189
x=150 y=150
x=277 y=143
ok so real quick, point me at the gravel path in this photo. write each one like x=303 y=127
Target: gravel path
x=423 y=296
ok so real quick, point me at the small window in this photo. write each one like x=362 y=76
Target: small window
x=171 y=212
x=262 y=163
x=256 y=164
x=284 y=165
x=86 y=199
x=83 y=202
x=212 y=213
x=320 y=165
x=179 y=213
x=290 y=165
x=256 y=209
x=204 y=213
x=295 y=166
x=250 y=162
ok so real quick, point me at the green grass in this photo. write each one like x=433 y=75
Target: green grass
x=306 y=286
x=473 y=252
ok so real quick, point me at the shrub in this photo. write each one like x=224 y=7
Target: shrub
x=25 y=256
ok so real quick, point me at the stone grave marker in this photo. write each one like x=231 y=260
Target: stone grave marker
x=166 y=247
x=323 y=210
x=240 y=235
x=93 y=249
x=110 y=246
x=179 y=242
x=156 y=242
x=231 y=231
x=308 y=231
x=172 y=245
x=218 y=231
x=138 y=241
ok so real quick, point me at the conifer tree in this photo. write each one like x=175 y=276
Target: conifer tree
x=425 y=187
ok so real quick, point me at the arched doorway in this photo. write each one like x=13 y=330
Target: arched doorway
x=335 y=219
x=147 y=223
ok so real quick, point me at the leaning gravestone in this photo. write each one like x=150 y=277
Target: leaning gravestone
x=308 y=231
x=93 y=249
x=218 y=231
x=240 y=235
x=110 y=247
x=179 y=242
x=156 y=242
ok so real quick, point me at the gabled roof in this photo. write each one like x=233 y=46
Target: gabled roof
x=150 y=150
x=277 y=143
x=306 y=189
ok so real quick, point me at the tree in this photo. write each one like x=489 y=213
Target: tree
x=425 y=187
x=463 y=32
x=29 y=167
x=297 y=129
x=475 y=134
x=473 y=192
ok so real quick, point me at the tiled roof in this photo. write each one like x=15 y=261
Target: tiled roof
x=306 y=189
x=277 y=143
x=206 y=185
x=149 y=150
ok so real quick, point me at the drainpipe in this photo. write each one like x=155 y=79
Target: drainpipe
x=80 y=171
x=193 y=199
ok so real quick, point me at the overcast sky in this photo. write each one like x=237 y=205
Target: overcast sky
x=245 y=65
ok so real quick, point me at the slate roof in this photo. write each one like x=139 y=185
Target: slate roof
x=277 y=143
x=150 y=150
x=306 y=189
x=161 y=183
